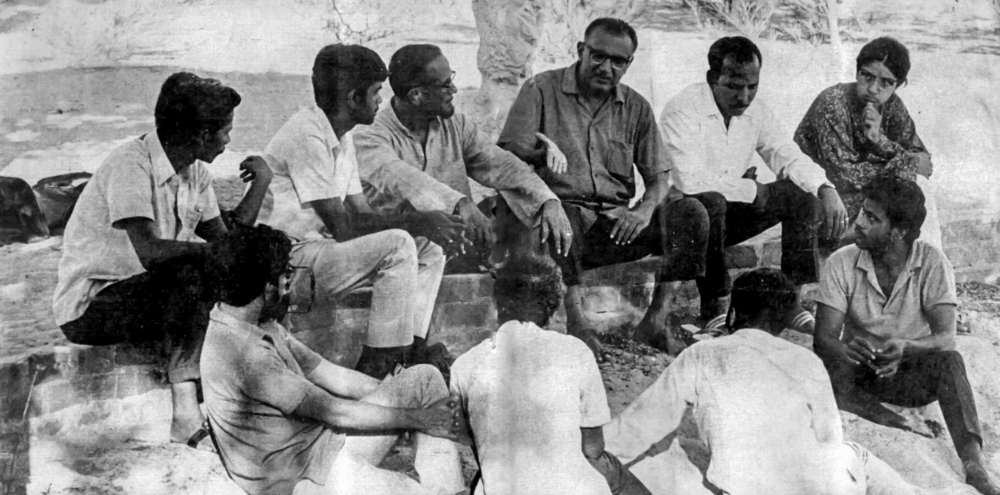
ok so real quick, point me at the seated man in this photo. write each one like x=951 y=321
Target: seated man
x=602 y=128
x=419 y=154
x=711 y=133
x=885 y=324
x=763 y=406
x=534 y=397
x=133 y=253
x=316 y=197
x=278 y=410
x=859 y=130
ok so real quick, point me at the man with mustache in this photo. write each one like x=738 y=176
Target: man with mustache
x=133 y=265
x=885 y=322
x=419 y=155
x=316 y=198
x=711 y=132
x=583 y=130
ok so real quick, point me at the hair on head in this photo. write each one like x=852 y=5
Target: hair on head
x=741 y=49
x=246 y=260
x=902 y=200
x=408 y=67
x=189 y=105
x=890 y=53
x=340 y=69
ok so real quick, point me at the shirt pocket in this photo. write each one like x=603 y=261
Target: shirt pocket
x=619 y=158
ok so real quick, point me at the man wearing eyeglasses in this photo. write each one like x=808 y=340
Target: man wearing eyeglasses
x=582 y=130
x=419 y=155
x=712 y=132
x=316 y=197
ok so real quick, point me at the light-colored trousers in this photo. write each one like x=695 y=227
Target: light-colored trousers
x=404 y=274
x=355 y=470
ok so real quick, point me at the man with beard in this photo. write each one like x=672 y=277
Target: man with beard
x=583 y=130
x=133 y=264
x=885 y=325
x=278 y=410
x=419 y=155
x=316 y=198
x=712 y=130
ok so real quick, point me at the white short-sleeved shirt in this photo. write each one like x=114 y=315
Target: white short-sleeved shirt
x=136 y=180
x=849 y=285
x=309 y=164
x=528 y=392
x=763 y=405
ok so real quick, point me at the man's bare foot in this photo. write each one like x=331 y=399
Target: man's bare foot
x=977 y=477
x=658 y=336
x=187 y=418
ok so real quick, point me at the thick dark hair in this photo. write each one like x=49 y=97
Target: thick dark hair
x=891 y=53
x=340 y=69
x=741 y=49
x=902 y=200
x=760 y=289
x=528 y=288
x=408 y=67
x=246 y=260
x=614 y=27
x=189 y=105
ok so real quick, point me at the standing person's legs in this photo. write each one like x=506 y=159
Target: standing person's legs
x=170 y=303
x=387 y=261
x=437 y=459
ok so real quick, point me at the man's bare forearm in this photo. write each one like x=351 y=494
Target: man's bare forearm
x=354 y=415
x=655 y=195
x=246 y=212
x=342 y=382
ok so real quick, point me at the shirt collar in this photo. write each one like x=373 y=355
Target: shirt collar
x=324 y=123
x=251 y=331
x=569 y=84
x=389 y=118
x=162 y=169
x=706 y=101
x=914 y=261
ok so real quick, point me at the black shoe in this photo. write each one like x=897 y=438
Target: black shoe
x=379 y=362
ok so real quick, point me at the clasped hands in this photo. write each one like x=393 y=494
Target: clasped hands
x=883 y=361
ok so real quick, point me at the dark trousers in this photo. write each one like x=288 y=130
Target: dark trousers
x=731 y=223
x=671 y=227
x=934 y=376
x=169 y=304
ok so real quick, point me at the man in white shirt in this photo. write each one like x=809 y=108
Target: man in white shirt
x=711 y=132
x=316 y=198
x=534 y=397
x=763 y=405
x=134 y=249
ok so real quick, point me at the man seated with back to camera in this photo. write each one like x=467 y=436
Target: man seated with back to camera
x=535 y=398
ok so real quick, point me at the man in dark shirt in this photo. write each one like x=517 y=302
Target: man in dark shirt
x=583 y=131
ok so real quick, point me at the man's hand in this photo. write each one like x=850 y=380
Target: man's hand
x=860 y=351
x=630 y=223
x=479 y=227
x=835 y=221
x=924 y=165
x=554 y=222
x=447 y=231
x=444 y=419
x=872 y=123
x=255 y=169
x=888 y=358
x=554 y=158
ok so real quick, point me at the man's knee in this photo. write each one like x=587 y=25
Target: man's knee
x=399 y=245
x=949 y=360
x=714 y=203
x=691 y=215
x=426 y=379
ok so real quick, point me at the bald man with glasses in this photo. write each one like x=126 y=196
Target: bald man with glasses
x=583 y=131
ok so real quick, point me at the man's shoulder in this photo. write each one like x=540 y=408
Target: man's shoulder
x=301 y=125
x=846 y=256
x=930 y=255
x=686 y=101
